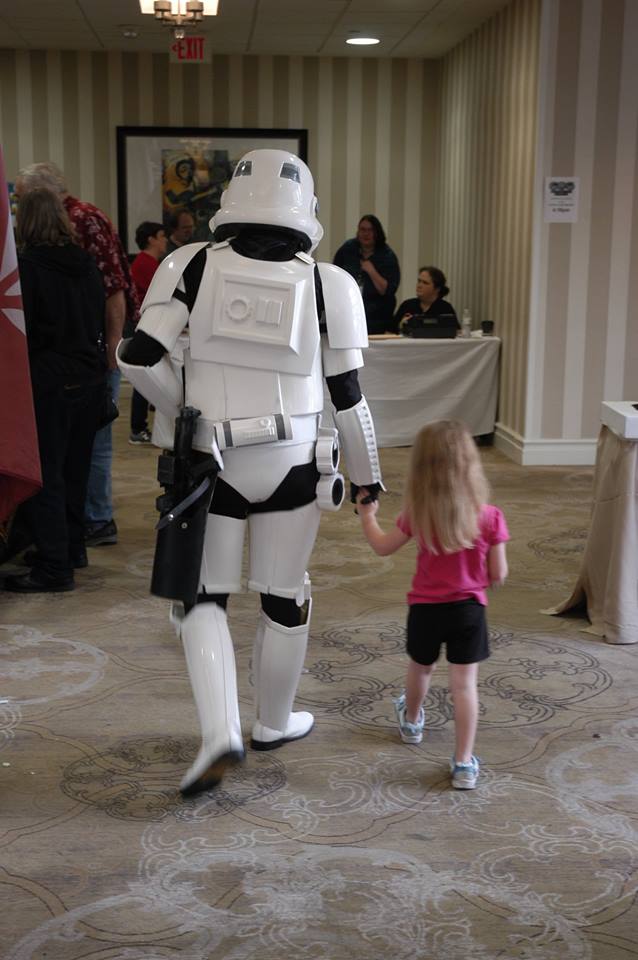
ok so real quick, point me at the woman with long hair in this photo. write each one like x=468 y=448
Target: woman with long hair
x=63 y=299
x=374 y=265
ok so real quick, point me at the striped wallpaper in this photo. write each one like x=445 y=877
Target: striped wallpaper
x=371 y=126
x=584 y=315
x=486 y=180
x=450 y=154
x=546 y=88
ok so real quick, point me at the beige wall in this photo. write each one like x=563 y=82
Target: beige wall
x=546 y=88
x=584 y=316
x=451 y=155
x=486 y=181
x=371 y=126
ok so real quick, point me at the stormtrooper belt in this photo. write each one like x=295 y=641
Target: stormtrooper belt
x=271 y=428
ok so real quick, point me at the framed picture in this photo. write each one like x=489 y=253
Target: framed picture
x=164 y=170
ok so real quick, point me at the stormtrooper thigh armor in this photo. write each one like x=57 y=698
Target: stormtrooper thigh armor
x=280 y=546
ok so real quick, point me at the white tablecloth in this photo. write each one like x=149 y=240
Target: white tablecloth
x=410 y=382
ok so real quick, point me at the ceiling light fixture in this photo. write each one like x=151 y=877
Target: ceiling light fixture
x=362 y=41
x=179 y=14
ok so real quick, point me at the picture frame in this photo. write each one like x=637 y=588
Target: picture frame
x=163 y=170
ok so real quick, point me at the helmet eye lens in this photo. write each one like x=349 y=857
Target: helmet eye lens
x=244 y=168
x=289 y=171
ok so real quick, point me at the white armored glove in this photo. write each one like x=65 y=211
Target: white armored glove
x=356 y=433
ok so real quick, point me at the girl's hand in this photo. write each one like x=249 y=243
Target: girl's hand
x=364 y=508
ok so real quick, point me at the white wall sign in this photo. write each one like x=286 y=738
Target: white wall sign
x=561 y=199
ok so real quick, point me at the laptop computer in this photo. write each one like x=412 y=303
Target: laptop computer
x=421 y=327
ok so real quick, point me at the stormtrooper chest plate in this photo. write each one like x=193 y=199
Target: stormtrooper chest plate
x=252 y=313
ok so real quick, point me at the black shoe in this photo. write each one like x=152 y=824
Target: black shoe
x=14 y=539
x=77 y=558
x=139 y=436
x=101 y=534
x=36 y=582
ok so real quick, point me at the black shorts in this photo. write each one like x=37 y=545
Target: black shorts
x=461 y=626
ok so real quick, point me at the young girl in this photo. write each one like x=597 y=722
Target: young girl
x=461 y=551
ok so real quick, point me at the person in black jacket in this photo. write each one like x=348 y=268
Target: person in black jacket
x=374 y=265
x=429 y=303
x=63 y=299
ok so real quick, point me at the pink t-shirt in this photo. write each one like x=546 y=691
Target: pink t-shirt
x=447 y=577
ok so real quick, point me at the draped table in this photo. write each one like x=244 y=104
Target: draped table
x=408 y=382
x=607 y=585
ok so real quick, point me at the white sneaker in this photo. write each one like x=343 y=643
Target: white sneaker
x=464 y=775
x=410 y=732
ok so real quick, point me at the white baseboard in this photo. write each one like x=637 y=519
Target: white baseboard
x=544 y=452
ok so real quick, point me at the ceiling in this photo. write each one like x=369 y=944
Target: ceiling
x=406 y=28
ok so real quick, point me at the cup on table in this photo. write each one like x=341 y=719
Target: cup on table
x=487 y=327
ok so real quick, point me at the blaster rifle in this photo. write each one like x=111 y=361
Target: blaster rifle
x=188 y=478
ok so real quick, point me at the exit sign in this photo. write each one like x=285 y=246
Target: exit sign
x=190 y=50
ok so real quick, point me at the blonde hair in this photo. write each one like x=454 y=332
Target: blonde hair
x=42 y=220
x=446 y=487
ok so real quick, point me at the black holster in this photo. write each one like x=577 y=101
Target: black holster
x=188 y=478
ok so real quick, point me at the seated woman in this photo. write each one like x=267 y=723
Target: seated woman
x=429 y=302
x=374 y=265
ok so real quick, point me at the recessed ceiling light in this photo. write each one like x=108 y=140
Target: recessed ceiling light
x=362 y=41
x=128 y=31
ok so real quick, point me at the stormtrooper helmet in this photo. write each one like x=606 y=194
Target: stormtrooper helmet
x=273 y=188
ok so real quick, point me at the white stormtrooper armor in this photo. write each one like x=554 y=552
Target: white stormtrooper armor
x=253 y=364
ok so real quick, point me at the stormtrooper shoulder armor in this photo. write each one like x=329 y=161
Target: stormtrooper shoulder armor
x=163 y=316
x=169 y=273
x=345 y=315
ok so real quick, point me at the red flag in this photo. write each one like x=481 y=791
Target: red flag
x=20 y=474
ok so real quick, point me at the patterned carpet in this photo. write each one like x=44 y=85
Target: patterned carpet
x=349 y=843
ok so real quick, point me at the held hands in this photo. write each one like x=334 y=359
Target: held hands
x=367 y=505
x=382 y=543
x=372 y=491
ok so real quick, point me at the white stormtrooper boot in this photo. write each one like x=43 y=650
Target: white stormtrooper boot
x=211 y=667
x=278 y=657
